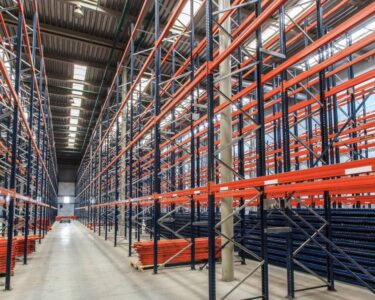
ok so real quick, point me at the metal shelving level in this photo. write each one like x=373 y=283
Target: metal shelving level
x=300 y=105
x=28 y=167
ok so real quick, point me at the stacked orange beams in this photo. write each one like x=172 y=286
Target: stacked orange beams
x=58 y=218
x=169 y=248
x=19 y=244
x=3 y=254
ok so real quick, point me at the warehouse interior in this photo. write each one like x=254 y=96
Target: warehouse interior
x=191 y=149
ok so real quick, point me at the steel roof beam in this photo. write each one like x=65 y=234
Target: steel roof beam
x=79 y=61
x=59 y=77
x=51 y=30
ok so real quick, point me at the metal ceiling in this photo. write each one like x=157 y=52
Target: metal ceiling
x=88 y=41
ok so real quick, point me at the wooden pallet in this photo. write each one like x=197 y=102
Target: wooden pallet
x=136 y=264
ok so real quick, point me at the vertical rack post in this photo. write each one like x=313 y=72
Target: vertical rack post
x=131 y=148
x=100 y=180
x=324 y=138
x=156 y=178
x=210 y=155
x=13 y=173
x=117 y=193
x=286 y=147
x=192 y=138
x=29 y=149
x=106 y=181
x=241 y=147
x=260 y=150
x=37 y=184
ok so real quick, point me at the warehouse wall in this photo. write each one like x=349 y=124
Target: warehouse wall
x=66 y=199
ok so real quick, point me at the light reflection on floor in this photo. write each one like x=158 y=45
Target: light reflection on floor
x=65 y=233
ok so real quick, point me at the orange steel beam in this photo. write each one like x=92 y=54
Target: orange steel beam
x=200 y=75
x=335 y=58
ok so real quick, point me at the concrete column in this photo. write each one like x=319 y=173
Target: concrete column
x=122 y=160
x=226 y=151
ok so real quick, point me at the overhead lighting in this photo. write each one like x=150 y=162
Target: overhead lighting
x=72 y=134
x=73 y=121
x=79 y=72
x=78 y=13
x=76 y=102
x=77 y=89
x=74 y=112
x=71 y=141
x=72 y=128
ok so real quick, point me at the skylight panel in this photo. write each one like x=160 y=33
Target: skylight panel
x=78 y=86
x=74 y=112
x=79 y=72
x=73 y=121
x=72 y=128
x=76 y=102
x=183 y=20
x=71 y=141
x=72 y=134
x=77 y=89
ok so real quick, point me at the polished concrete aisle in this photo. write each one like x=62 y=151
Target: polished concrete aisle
x=74 y=264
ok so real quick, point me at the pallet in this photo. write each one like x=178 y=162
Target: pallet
x=136 y=264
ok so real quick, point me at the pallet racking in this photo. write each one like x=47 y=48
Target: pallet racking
x=28 y=167
x=302 y=123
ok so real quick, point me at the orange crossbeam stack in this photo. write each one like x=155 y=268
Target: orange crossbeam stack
x=19 y=244
x=59 y=218
x=3 y=255
x=169 y=248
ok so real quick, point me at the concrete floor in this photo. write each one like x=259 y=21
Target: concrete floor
x=74 y=264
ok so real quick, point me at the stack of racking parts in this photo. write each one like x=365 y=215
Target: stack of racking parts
x=271 y=111
x=28 y=167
